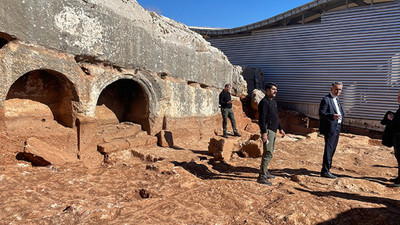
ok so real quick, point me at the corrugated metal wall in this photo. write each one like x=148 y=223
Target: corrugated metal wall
x=359 y=46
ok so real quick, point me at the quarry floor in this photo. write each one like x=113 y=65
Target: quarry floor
x=184 y=185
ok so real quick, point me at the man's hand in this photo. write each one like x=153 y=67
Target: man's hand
x=336 y=116
x=282 y=133
x=230 y=102
x=265 y=138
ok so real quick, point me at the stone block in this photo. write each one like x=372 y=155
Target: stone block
x=121 y=130
x=40 y=153
x=113 y=146
x=142 y=141
x=165 y=139
x=252 y=148
x=87 y=141
x=222 y=148
x=192 y=128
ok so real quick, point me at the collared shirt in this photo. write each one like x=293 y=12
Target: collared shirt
x=335 y=101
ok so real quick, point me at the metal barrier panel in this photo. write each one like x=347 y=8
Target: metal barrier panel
x=358 y=46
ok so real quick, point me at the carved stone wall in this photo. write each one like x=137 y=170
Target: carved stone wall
x=75 y=59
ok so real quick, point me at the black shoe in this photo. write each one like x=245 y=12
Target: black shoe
x=236 y=134
x=328 y=175
x=269 y=175
x=225 y=135
x=263 y=180
x=397 y=183
x=395 y=179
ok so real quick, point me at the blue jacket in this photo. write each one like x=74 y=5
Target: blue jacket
x=327 y=124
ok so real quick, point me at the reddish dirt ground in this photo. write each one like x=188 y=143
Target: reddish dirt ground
x=184 y=185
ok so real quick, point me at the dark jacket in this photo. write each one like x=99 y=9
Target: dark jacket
x=387 y=137
x=224 y=98
x=327 y=124
x=268 y=115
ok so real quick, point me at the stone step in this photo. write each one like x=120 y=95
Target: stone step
x=123 y=144
x=143 y=141
x=122 y=130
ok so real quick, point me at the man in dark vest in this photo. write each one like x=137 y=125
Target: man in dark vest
x=331 y=120
x=269 y=125
x=225 y=101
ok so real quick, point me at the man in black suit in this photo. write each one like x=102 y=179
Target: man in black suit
x=394 y=123
x=331 y=120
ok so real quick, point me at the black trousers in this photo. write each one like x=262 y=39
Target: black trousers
x=396 y=144
x=331 y=142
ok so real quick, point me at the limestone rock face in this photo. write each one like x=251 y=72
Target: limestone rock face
x=239 y=83
x=120 y=32
x=256 y=96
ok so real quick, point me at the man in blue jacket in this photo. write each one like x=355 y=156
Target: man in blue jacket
x=331 y=120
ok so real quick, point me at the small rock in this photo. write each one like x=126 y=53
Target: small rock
x=143 y=193
x=312 y=135
x=296 y=178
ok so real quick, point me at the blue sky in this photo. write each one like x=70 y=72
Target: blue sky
x=220 y=13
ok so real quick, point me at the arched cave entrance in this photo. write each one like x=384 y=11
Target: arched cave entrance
x=4 y=39
x=123 y=101
x=39 y=90
x=3 y=42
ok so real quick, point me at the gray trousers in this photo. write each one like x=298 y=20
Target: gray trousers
x=228 y=113
x=268 y=152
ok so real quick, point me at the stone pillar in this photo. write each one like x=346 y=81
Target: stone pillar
x=87 y=141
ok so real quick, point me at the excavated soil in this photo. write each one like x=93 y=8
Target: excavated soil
x=184 y=185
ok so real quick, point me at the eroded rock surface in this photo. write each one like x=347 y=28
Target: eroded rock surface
x=143 y=187
x=122 y=33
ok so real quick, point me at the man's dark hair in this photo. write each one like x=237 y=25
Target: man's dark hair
x=269 y=85
x=227 y=85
